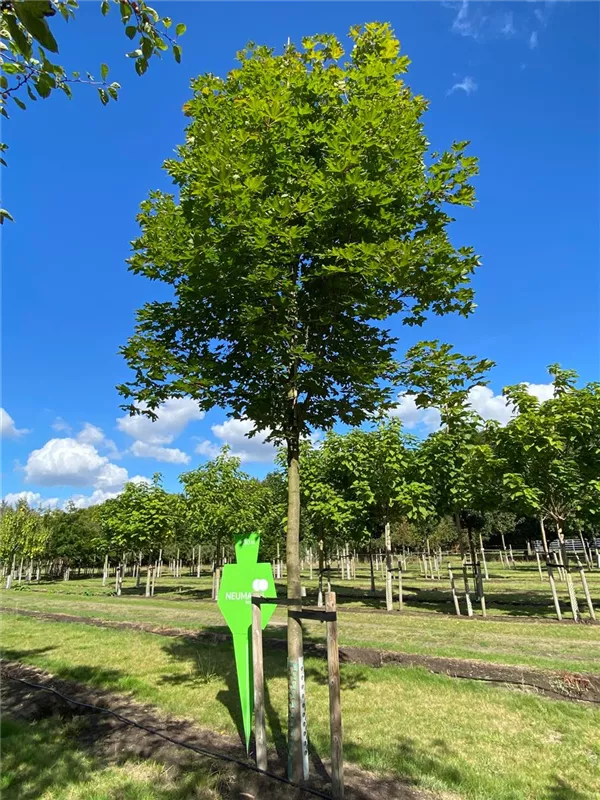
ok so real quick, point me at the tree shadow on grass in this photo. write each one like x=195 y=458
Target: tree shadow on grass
x=19 y=655
x=216 y=662
x=559 y=789
x=413 y=763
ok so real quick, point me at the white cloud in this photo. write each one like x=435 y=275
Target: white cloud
x=7 y=426
x=90 y=434
x=208 y=449
x=171 y=455
x=100 y=495
x=94 y=499
x=414 y=417
x=173 y=416
x=467 y=85
x=67 y=462
x=482 y=399
x=233 y=432
x=508 y=27
x=467 y=23
x=140 y=479
x=543 y=391
x=60 y=426
x=533 y=40
x=34 y=499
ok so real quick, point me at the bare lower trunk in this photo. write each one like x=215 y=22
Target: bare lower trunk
x=295 y=652
x=389 y=600
x=372 y=568
x=543 y=532
x=459 y=532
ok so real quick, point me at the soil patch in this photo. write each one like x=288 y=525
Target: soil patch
x=582 y=687
x=112 y=739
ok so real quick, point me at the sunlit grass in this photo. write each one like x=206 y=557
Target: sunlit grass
x=477 y=740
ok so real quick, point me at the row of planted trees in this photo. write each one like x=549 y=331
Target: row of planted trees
x=469 y=478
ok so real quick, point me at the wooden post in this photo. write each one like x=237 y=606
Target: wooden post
x=586 y=590
x=400 y=597
x=570 y=587
x=537 y=555
x=553 y=587
x=118 y=581
x=483 y=558
x=335 y=708
x=467 y=594
x=453 y=587
x=480 y=589
x=260 y=733
x=148 y=579
x=389 y=599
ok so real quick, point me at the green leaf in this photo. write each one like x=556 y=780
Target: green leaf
x=130 y=31
x=105 y=7
x=141 y=65
x=19 y=37
x=180 y=29
x=167 y=22
x=20 y=103
x=31 y=16
x=103 y=96
x=4 y=214
x=177 y=53
x=103 y=71
x=125 y=10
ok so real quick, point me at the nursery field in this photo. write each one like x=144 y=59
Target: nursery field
x=472 y=708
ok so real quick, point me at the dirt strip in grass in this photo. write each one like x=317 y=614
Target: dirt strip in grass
x=581 y=687
x=106 y=735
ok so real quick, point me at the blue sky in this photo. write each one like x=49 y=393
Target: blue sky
x=520 y=80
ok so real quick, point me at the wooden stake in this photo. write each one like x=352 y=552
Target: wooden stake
x=467 y=595
x=453 y=587
x=400 y=597
x=148 y=579
x=260 y=733
x=335 y=708
x=537 y=555
x=586 y=591
x=553 y=587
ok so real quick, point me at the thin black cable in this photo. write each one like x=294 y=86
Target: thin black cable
x=201 y=751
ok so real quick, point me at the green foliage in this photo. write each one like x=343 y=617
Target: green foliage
x=28 y=45
x=306 y=217
x=75 y=534
x=142 y=518
x=550 y=452
x=220 y=501
x=354 y=484
x=23 y=531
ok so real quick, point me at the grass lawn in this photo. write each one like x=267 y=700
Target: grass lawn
x=480 y=741
x=44 y=760
x=183 y=603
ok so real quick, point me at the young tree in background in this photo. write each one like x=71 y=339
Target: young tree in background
x=309 y=211
x=221 y=501
x=456 y=460
x=141 y=519
x=550 y=452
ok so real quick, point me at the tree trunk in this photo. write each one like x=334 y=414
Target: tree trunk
x=321 y=567
x=459 y=532
x=389 y=599
x=295 y=651
x=372 y=567
x=543 y=532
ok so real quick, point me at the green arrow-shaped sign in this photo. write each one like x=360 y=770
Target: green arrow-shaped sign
x=239 y=582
